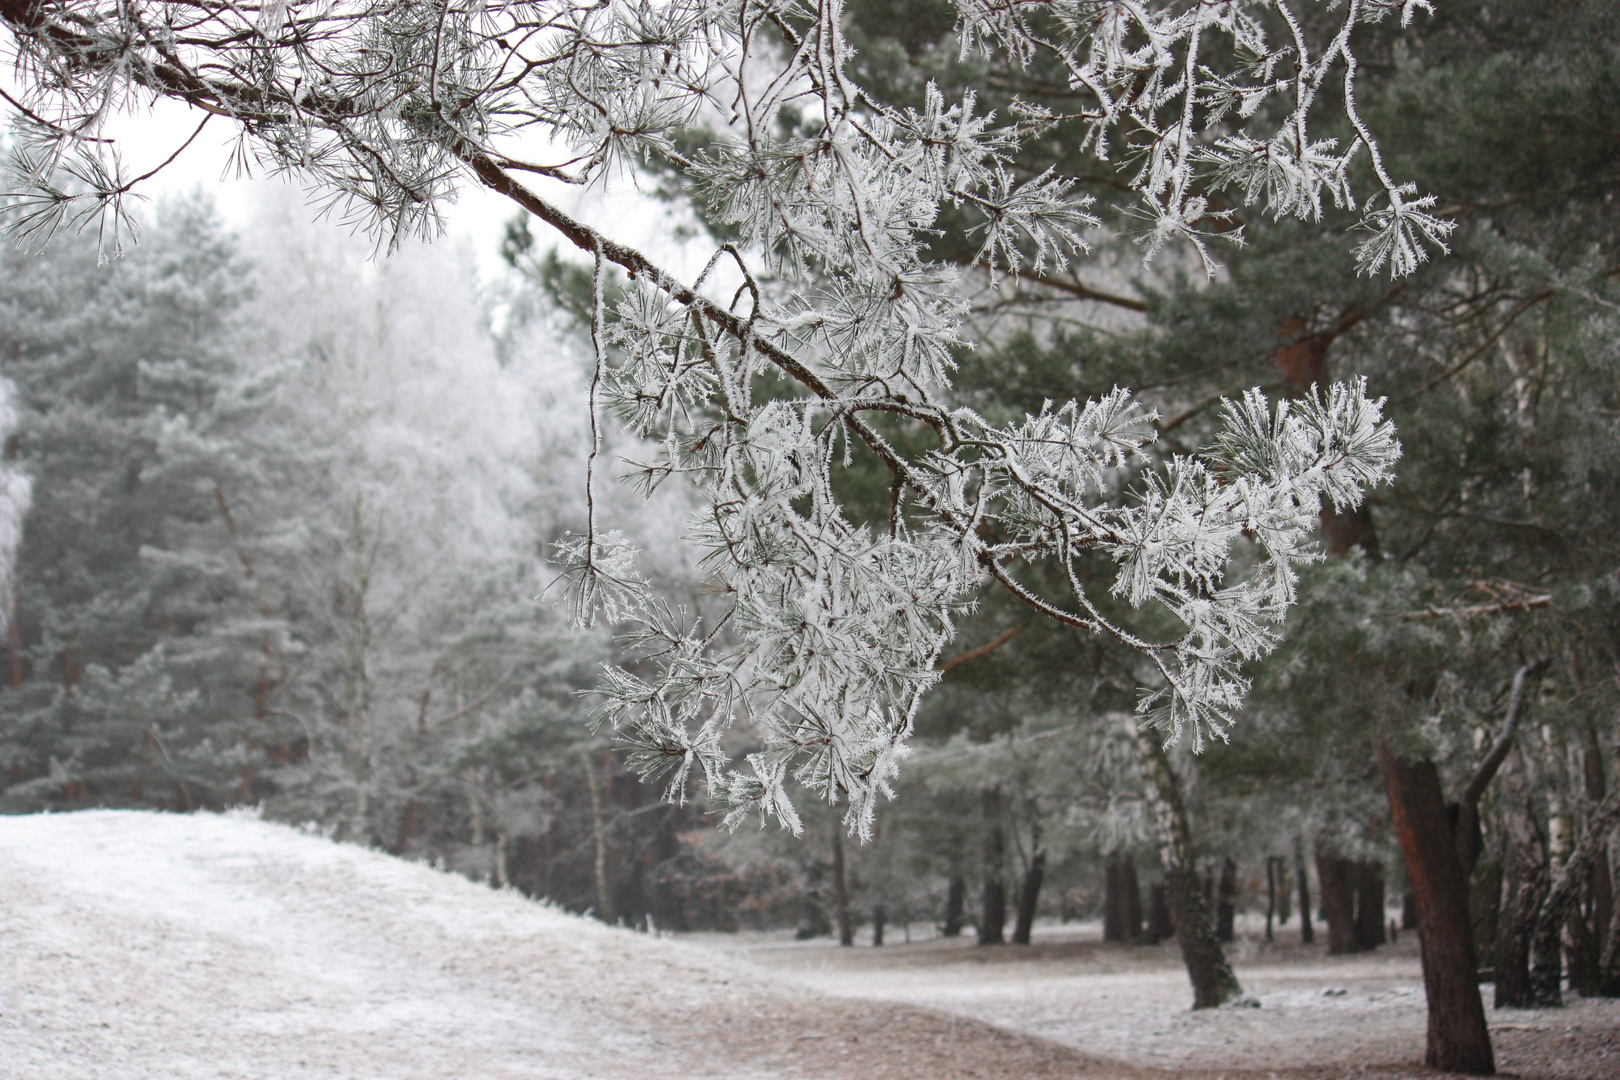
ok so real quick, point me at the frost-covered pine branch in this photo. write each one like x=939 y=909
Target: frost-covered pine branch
x=834 y=326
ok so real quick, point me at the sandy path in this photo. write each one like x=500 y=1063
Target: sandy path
x=1333 y=1016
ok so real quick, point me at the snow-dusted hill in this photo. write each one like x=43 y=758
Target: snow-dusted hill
x=140 y=945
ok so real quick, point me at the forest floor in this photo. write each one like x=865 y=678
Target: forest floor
x=1318 y=1016
x=138 y=946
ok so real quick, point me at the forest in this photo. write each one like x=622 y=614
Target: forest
x=453 y=566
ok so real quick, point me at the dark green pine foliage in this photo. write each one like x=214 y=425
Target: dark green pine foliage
x=145 y=655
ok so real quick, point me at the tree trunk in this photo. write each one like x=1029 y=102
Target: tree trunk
x=879 y=917
x=1226 y=902
x=993 y=907
x=1113 y=901
x=1271 y=893
x=1029 y=896
x=1159 y=926
x=1527 y=887
x=1307 y=934
x=1561 y=899
x=846 y=932
x=1212 y=978
x=604 y=894
x=1370 y=905
x=1458 y=1040
x=1336 y=876
x=955 y=905
x=1609 y=964
x=1133 y=902
x=1485 y=909
x=812 y=920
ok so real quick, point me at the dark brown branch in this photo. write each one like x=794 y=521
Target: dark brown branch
x=982 y=650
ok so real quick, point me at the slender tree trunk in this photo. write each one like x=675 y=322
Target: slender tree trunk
x=1562 y=896
x=879 y=917
x=1160 y=927
x=1458 y=1040
x=955 y=906
x=1602 y=886
x=1271 y=893
x=1029 y=897
x=1133 y=902
x=846 y=932
x=1226 y=902
x=1212 y=978
x=604 y=894
x=993 y=908
x=1528 y=879
x=1370 y=905
x=1334 y=877
x=1609 y=964
x=1113 y=901
x=812 y=923
x=1307 y=934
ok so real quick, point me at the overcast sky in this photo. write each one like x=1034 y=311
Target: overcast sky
x=478 y=217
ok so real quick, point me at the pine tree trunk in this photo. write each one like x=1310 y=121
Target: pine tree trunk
x=1029 y=896
x=1133 y=902
x=879 y=917
x=1226 y=903
x=955 y=906
x=604 y=894
x=1113 y=901
x=1334 y=877
x=846 y=932
x=1307 y=934
x=1284 y=899
x=812 y=922
x=1609 y=964
x=1212 y=978
x=1370 y=905
x=1160 y=928
x=1271 y=893
x=993 y=906
x=1458 y=1040
x=1562 y=896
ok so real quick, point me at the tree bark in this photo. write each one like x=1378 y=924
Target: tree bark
x=1609 y=964
x=846 y=932
x=1029 y=896
x=1370 y=905
x=1133 y=902
x=812 y=921
x=1159 y=928
x=1307 y=934
x=1113 y=901
x=1212 y=978
x=1271 y=893
x=955 y=905
x=604 y=894
x=1458 y=1040
x=993 y=899
x=1562 y=896
x=1335 y=878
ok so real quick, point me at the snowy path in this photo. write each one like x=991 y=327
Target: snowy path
x=136 y=946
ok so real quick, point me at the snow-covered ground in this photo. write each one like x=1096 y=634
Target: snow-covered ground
x=138 y=945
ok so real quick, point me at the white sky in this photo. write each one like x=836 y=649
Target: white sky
x=478 y=217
